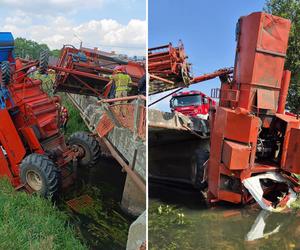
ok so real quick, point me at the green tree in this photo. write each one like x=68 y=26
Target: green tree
x=28 y=49
x=55 y=52
x=290 y=9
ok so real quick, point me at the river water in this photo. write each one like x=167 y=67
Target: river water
x=101 y=224
x=179 y=219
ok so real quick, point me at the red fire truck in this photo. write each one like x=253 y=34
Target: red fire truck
x=192 y=103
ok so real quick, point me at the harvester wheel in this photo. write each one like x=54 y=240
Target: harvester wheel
x=40 y=173
x=44 y=60
x=90 y=146
x=5 y=72
x=198 y=161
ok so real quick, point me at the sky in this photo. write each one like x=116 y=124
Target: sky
x=118 y=25
x=207 y=29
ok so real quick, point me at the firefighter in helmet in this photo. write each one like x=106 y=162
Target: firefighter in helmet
x=121 y=81
x=120 y=87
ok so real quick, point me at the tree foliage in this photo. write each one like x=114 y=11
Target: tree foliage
x=55 y=52
x=29 y=49
x=290 y=9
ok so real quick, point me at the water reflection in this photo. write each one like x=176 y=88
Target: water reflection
x=103 y=225
x=258 y=231
x=224 y=227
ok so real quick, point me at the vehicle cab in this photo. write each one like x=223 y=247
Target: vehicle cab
x=192 y=103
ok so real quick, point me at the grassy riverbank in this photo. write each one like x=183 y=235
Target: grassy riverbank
x=31 y=222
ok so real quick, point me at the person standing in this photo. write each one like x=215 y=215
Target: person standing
x=122 y=82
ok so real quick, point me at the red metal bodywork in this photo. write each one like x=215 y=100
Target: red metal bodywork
x=199 y=108
x=250 y=133
x=169 y=69
x=167 y=61
x=168 y=66
x=29 y=124
x=87 y=72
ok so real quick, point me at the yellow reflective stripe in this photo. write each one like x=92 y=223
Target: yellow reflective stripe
x=121 y=89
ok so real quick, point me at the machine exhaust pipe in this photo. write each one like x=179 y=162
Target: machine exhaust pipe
x=286 y=77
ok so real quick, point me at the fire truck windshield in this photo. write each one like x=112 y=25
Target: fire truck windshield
x=188 y=100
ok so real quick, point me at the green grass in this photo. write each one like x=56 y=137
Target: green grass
x=31 y=222
x=75 y=122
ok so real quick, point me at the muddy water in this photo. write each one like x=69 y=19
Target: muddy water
x=100 y=224
x=178 y=219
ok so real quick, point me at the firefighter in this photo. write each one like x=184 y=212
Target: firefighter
x=122 y=82
x=64 y=117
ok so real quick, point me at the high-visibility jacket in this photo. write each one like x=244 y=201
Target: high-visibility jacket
x=122 y=82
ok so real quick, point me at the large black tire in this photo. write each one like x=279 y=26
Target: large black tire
x=44 y=60
x=5 y=73
x=41 y=174
x=90 y=146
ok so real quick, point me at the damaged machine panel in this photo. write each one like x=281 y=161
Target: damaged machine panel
x=292 y=163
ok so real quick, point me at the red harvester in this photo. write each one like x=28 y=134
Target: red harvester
x=250 y=134
x=33 y=152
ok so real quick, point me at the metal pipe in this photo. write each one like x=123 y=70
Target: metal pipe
x=160 y=63
x=26 y=67
x=160 y=47
x=80 y=73
x=160 y=79
x=209 y=76
x=284 y=91
x=164 y=97
x=86 y=85
x=127 y=98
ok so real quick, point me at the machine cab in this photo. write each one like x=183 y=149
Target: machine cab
x=191 y=103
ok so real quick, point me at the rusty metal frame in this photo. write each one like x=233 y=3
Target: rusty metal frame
x=127 y=98
x=91 y=76
x=168 y=69
x=167 y=66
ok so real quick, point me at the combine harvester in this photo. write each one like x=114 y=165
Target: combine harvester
x=254 y=145
x=254 y=150
x=34 y=154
